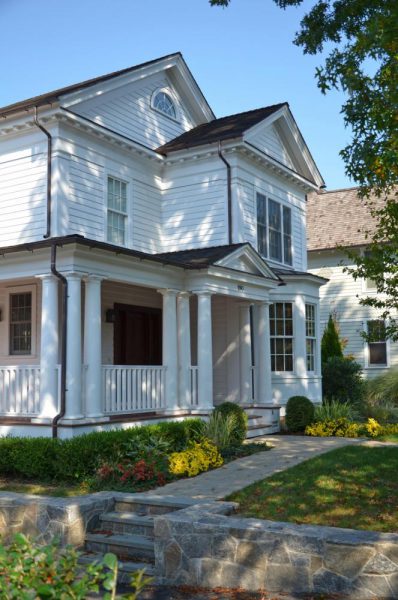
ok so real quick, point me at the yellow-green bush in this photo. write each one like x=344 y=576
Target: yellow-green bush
x=199 y=457
x=345 y=428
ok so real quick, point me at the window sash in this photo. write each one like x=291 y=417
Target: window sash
x=117 y=211
x=274 y=230
x=20 y=342
x=377 y=345
x=281 y=338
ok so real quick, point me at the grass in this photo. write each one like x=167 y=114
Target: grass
x=42 y=489
x=388 y=438
x=355 y=487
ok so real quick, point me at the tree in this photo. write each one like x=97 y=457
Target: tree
x=362 y=60
x=331 y=345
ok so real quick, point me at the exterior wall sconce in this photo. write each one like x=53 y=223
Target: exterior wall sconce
x=110 y=315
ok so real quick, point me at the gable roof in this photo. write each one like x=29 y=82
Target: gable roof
x=54 y=96
x=225 y=128
x=339 y=218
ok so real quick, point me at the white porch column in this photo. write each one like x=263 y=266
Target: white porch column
x=49 y=347
x=263 y=363
x=205 y=351
x=245 y=353
x=74 y=349
x=92 y=346
x=184 y=349
x=170 y=348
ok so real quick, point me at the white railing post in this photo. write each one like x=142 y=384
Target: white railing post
x=133 y=389
x=20 y=391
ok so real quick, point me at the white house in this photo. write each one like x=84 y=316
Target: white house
x=337 y=220
x=153 y=257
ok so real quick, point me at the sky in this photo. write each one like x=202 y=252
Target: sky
x=242 y=57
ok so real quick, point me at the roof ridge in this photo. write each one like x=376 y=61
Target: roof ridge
x=247 y=112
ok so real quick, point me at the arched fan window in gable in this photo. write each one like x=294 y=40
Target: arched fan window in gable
x=164 y=104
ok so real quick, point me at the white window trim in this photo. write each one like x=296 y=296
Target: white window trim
x=169 y=92
x=21 y=289
x=314 y=337
x=282 y=204
x=290 y=337
x=128 y=242
x=368 y=365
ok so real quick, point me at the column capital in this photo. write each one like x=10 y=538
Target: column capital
x=263 y=302
x=93 y=277
x=202 y=292
x=47 y=277
x=184 y=294
x=74 y=275
x=168 y=291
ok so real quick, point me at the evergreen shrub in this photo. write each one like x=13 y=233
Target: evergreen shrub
x=299 y=413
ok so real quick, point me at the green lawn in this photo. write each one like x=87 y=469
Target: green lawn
x=354 y=487
x=41 y=489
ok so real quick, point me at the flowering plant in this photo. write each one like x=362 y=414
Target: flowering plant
x=199 y=457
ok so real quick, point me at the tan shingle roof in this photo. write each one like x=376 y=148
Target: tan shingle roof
x=338 y=218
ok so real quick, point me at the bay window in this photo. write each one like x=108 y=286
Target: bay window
x=310 y=336
x=281 y=332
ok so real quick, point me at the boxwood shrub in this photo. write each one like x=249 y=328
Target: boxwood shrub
x=76 y=459
x=299 y=413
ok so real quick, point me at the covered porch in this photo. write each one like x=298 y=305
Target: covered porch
x=136 y=351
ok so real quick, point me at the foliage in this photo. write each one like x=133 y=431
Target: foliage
x=341 y=427
x=383 y=412
x=233 y=452
x=139 y=474
x=240 y=430
x=361 y=40
x=342 y=381
x=221 y=429
x=78 y=458
x=299 y=413
x=353 y=487
x=330 y=410
x=199 y=457
x=29 y=571
x=331 y=344
x=384 y=388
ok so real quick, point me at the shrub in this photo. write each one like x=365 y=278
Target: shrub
x=331 y=344
x=199 y=457
x=221 y=429
x=30 y=570
x=384 y=389
x=240 y=430
x=331 y=410
x=341 y=427
x=78 y=458
x=342 y=381
x=299 y=413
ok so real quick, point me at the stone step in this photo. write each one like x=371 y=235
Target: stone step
x=125 y=546
x=142 y=504
x=125 y=568
x=127 y=522
x=253 y=432
x=256 y=422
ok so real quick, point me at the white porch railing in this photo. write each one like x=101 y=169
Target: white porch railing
x=20 y=391
x=194 y=386
x=132 y=389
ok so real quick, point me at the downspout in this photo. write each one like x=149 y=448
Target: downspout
x=49 y=152
x=229 y=192
x=64 y=307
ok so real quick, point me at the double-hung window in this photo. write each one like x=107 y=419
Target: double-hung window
x=21 y=323
x=377 y=343
x=281 y=330
x=274 y=230
x=117 y=211
x=310 y=336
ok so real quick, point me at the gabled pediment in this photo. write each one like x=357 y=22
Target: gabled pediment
x=247 y=260
x=279 y=137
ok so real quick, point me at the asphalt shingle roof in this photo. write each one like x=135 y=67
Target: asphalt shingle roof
x=339 y=218
x=230 y=127
x=199 y=258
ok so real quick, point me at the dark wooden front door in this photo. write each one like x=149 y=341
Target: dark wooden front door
x=137 y=335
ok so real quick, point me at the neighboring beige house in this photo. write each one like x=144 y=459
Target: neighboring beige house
x=339 y=219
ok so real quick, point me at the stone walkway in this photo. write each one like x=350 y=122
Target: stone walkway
x=288 y=450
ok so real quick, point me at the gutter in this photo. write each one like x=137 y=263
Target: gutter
x=49 y=151
x=64 y=307
x=229 y=192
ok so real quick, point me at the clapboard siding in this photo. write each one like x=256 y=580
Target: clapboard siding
x=340 y=297
x=22 y=195
x=146 y=224
x=86 y=198
x=128 y=111
x=267 y=140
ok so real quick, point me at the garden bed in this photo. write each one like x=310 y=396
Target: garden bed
x=355 y=487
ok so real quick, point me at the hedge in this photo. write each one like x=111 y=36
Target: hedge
x=76 y=459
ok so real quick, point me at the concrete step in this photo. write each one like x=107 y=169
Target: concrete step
x=127 y=522
x=256 y=422
x=125 y=568
x=127 y=547
x=142 y=504
x=253 y=432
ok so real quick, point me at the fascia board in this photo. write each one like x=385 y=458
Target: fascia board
x=247 y=251
x=265 y=122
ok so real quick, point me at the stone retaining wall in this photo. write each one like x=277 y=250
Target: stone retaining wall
x=45 y=518
x=197 y=547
